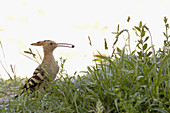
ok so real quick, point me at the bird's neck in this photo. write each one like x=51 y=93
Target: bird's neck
x=48 y=57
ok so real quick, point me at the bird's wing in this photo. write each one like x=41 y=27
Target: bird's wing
x=35 y=81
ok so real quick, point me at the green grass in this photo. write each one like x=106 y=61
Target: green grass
x=131 y=82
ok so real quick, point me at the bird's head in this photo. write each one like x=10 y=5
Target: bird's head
x=51 y=45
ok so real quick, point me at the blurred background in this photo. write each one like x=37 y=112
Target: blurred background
x=23 y=22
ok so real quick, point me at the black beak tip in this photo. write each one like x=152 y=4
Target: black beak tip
x=73 y=46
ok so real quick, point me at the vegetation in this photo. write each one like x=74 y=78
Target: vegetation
x=128 y=81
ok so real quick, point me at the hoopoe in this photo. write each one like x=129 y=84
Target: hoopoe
x=48 y=69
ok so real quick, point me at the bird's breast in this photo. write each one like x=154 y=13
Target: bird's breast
x=51 y=69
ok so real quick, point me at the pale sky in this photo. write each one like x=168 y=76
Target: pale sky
x=23 y=22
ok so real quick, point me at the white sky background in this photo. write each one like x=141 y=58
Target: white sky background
x=23 y=22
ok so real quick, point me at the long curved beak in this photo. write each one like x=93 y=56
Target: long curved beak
x=65 y=45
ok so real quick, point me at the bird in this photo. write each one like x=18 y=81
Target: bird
x=47 y=70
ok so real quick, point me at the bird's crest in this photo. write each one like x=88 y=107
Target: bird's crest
x=41 y=43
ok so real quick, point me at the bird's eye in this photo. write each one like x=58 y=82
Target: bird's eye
x=51 y=43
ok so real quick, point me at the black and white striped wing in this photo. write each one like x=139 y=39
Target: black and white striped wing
x=35 y=81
